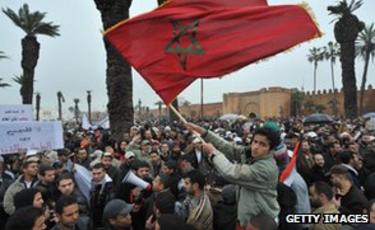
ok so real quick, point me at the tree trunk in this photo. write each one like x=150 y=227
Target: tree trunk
x=333 y=77
x=60 y=108
x=30 y=55
x=119 y=76
x=315 y=67
x=172 y=115
x=38 y=98
x=348 y=79
x=363 y=84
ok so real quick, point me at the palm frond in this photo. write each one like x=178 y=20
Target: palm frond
x=3 y=85
x=365 y=43
x=32 y=22
x=355 y=5
x=21 y=79
x=2 y=55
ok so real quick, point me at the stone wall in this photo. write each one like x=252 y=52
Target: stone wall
x=323 y=98
x=271 y=102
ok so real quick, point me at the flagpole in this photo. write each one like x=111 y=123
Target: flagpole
x=184 y=121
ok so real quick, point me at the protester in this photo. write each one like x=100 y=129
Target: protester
x=28 y=197
x=116 y=215
x=27 y=180
x=199 y=209
x=322 y=199
x=68 y=215
x=258 y=180
x=102 y=191
x=238 y=177
x=27 y=218
x=351 y=199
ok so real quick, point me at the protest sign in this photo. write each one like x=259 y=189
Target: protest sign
x=16 y=113
x=18 y=136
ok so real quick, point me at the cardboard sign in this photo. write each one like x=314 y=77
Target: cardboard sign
x=16 y=113
x=21 y=136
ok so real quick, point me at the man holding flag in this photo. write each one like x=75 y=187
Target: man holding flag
x=256 y=172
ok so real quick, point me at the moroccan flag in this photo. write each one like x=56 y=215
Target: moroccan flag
x=182 y=40
x=292 y=163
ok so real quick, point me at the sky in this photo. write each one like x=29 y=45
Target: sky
x=75 y=61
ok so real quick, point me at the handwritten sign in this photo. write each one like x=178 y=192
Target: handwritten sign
x=16 y=113
x=16 y=136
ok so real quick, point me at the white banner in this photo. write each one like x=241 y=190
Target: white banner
x=45 y=135
x=16 y=113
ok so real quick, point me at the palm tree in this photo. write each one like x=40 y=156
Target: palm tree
x=365 y=47
x=296 y=102
x=333 y=104
x=89 y=104
x=119 y=76
x=315 y=56
x=346 y=30
x=159 y=104
x=76 y=109
x=38 y=98
x=60 y=99
x=32 y=24
x=331 y=52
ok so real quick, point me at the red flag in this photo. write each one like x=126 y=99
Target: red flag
x=180 y=41
x=292 y=163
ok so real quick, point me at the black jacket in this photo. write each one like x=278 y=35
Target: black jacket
x=354 y=202
x=99 y=198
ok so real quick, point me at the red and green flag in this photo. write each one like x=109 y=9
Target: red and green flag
x=183 y=40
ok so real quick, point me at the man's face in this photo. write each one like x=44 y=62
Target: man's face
x=354 y=147
x=49 y=176
x=166 y=170
x=31 y=169
x=66 y=186
x=39 y=223
x=305 y=147
x=38 y=200
x=164 y=148
x=188 y=186
x=63 y=158
x=70 y=215
x=82 y=154
x=146 y=148
x=336 y=180
x=121 y=221
x=155 y=158
x=157 y=186
x=314 y=197
x=338 y=148
x=123 y=145
x=319 y=160
x=107 y=162
x=260 y=146
x=143 y=172
x=148 y=134
x=198 y=145
x=98 y=174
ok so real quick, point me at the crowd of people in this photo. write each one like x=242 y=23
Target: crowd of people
x=203 y=175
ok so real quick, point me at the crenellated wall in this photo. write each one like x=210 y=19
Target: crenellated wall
x=272 y=102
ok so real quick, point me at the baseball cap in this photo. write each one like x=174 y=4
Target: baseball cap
x=129 y=154
x=145 y=142
x=116 y=207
